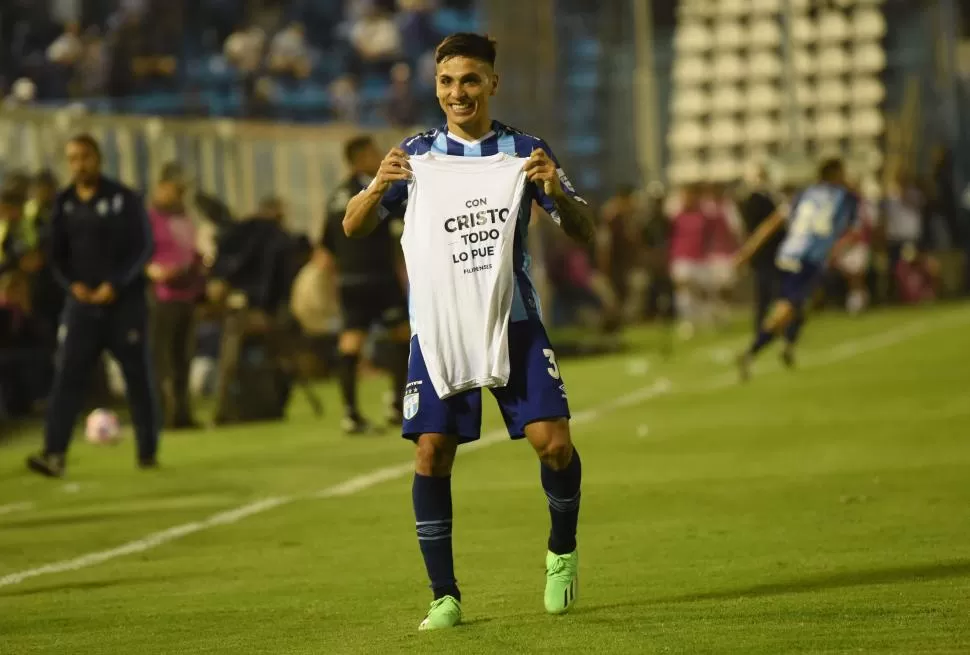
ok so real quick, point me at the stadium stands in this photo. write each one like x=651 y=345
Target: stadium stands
x=731 y=88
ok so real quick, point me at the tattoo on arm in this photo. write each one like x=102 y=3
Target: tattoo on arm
x=576 y=219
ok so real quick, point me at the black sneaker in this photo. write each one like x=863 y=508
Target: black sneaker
x=744 y=366
x=47 y=464
x=354 y=425
x=788 y=357
x=148 y=463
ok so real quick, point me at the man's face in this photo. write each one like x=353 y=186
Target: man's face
x=170 y=194
x=368 y=160
x=83 y=162
x=464 y=86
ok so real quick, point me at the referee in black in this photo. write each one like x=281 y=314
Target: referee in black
x=755 y=210
x=370 y=287
x=101 y=242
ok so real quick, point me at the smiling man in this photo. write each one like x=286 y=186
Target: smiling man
x=533 y=402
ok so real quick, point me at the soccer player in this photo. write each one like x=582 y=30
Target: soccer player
x=822 y=215
x=369 y=286
x=101 y=242
x=534 y=401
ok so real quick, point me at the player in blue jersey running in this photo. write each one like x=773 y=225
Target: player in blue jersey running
x=820 y=221
x=533 y=403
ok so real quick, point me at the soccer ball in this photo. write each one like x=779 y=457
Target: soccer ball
x=102 y=427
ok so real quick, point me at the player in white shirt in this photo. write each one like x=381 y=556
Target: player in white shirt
x=533 y=402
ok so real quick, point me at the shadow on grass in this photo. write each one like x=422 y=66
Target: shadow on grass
x=821 y=582
x=90 y=585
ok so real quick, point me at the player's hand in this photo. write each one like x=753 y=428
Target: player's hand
x=81 y=292
x=394 y=167
x=540 y=168
x=104 y=294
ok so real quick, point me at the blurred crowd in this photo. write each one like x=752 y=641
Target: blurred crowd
x=668 y=253
x=244 y=312
x=353 y=60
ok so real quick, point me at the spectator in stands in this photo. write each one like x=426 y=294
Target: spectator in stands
x=346 y=100
x=244 y=49
x=124 y=45
x=93 y=69
x=402 y=110
x=176 y=271
x=376 y=41
x=244 y=52
x=64 y=55
x=289 y=54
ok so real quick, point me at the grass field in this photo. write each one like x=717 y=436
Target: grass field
x=824 y=510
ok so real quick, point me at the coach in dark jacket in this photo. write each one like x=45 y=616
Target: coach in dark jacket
x=100 y=244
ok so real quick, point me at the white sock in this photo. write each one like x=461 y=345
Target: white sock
x=684 y=303
x=856 y=301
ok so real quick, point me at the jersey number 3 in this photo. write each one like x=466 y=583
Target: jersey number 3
x=553 y=369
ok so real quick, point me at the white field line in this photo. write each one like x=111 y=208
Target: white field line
x=362 y=482
x=15 y=507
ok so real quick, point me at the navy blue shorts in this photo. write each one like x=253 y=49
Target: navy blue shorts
x=797 y=286
x=535 y=391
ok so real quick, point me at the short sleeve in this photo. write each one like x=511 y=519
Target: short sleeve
x=394 y=201
x=545 y=201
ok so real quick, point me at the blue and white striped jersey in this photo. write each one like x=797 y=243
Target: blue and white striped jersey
x=820 y=215
x=501 y=138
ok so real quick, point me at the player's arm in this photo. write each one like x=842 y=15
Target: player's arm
x=853 y=234
x=764 y=232
x=364 y=211
x=564 y=205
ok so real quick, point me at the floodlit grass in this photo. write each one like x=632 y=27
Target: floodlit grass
x=823 y=510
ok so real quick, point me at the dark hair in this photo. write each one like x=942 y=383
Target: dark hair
x=830 y=168
x=466 y=44
x=356 y=145
x=86 y=139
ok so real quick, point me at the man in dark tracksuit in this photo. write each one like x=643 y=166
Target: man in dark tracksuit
x=100 y=244
x=755 y=210
x=369 y=285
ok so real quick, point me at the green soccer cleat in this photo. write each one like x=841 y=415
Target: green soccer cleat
x=562 y=581
x=443 y=613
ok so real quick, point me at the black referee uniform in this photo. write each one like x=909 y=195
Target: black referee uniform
x=755 y=210
x=370 y=292
x=106 y=239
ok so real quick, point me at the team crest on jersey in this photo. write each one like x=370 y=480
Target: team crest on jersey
x=411 y=402
x=103 y=207
x=118 y=203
